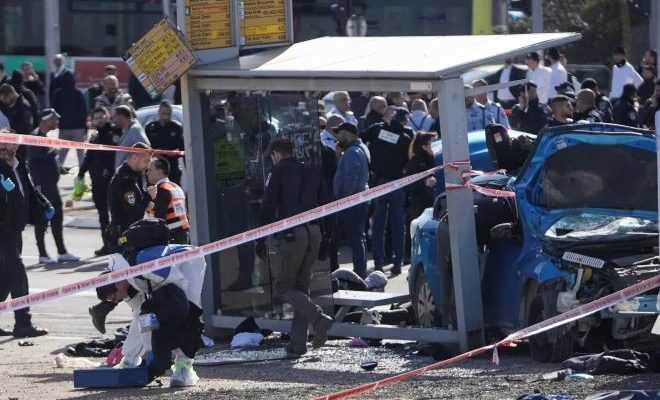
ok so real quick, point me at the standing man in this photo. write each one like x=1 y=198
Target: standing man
x=46 y=173
x=506 y=96
x=603 y=104
x=558 y=73
x=529 y=115
x=69 y=102
x=20 y=203
x=562 y=111
x=132 y=132
x=167 y=134
x=58 y=73
x=342 y=106
x=113 y=96
x=169 y=200
x=622 y=73
x=353 y=177
x=420 y=119
x=292 y=188
x=647 y=88
x=475 y=113
x=18 y=112
x=32 y=81
x=374 y=113
x=585 y=107
x=540 y=75
x=389 y=145
x=494 y=111
x=101 y=167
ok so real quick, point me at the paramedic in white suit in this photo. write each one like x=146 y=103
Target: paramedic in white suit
x=173 y=294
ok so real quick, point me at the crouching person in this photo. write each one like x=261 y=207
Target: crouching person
x=166 y=308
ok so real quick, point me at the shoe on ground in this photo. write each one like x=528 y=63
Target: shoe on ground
x=294 y=353
x=66 y=257
x=104 y=251
x=396 y=270
x=28 y=331
x=183 y=374
x=46 y=260
x=321 y=328
x=5 y=332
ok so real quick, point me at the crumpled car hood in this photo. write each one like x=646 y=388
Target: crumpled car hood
x=599 y=169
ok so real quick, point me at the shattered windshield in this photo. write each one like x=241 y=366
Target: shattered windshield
x=586 y=226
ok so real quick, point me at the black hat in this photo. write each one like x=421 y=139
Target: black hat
x=589 y=83
x=401 y=114
x=48 y=113
x=346 y=126
x=564 y=86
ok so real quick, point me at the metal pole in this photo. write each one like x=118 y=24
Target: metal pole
x=462 y=232
x=657 y=143
x=654 y=25
x=537 y=16
x=167 y=8
x=51 y=37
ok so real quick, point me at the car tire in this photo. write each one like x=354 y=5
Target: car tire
x=426 y=312
x=539 y=345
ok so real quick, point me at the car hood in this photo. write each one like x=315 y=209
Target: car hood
x=594 y=169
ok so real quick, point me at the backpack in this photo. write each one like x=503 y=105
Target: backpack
x=144 y=233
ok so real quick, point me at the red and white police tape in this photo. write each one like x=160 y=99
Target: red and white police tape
x=223 y=244
x=551 y=323
x=32 y=140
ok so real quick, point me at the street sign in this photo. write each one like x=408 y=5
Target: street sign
x=263 y=22
x=208 y=24
x=159 y=58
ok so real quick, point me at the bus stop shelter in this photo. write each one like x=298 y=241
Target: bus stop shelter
x=369 y=64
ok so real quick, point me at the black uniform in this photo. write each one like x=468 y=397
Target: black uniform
x=553 y=122
x=127 y=198
x=20 y=119
x=101 y=167
x=388 y=144
x=530 y=119
x=592 y=115
x=626 y=114
x=604 y=105
x=18 y=207
x=167 y=137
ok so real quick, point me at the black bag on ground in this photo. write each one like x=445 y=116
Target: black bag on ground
x=145 y=233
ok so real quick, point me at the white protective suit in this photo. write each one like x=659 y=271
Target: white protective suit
x=189 y=276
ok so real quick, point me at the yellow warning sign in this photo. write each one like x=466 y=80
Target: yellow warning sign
x=263 y=22
x=159 y=58
x=208 y=23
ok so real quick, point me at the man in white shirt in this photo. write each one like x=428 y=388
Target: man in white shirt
x=540 y=75
x=622 y=72
x=558 y=74
x=507 y=96
x=342 y=106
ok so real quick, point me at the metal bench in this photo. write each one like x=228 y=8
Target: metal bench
x=346 y=299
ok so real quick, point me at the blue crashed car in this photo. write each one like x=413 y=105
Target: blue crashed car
x=582 y=224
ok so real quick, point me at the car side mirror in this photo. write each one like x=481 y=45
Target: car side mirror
x=505 y=232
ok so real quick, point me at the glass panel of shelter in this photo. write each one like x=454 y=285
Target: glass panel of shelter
x=239 y=126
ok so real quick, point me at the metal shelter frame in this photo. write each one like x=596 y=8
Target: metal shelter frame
x=429 y=64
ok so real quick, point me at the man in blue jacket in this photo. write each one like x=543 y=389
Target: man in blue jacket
x=352 y=177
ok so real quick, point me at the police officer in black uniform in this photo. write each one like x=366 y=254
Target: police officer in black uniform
x=20 y=204
x=167 y=134
x=101 y=167
x=128 y=202
x=388 y=144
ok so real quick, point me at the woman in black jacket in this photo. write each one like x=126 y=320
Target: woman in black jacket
x=421 y=193
x=626 y=109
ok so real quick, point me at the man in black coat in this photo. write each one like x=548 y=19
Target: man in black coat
x=56 y=77
x=509 y=72
x=17 y=110
x=20 y=204
x=167 y=134
x=529 y=115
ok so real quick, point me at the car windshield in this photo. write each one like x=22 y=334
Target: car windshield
x=596 y=227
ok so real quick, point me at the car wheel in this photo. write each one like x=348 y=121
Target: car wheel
x=540 y=347
x=426 y=313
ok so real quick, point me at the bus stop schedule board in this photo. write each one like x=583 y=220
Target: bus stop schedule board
x=262 y=22
x=208 y=23
x=159 y=58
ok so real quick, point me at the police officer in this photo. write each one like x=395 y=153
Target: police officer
x=388 y=144
x=474 y=112
x=20 y=204
x=585 y=107
x=101 y=167
x=291 y=188
x=562 y=111
x=169 y=200
x=128 y=201
x=167 y=134
x=603 y=104
x=494 y=111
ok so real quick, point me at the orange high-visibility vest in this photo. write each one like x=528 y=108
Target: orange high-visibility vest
x=176 y=216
